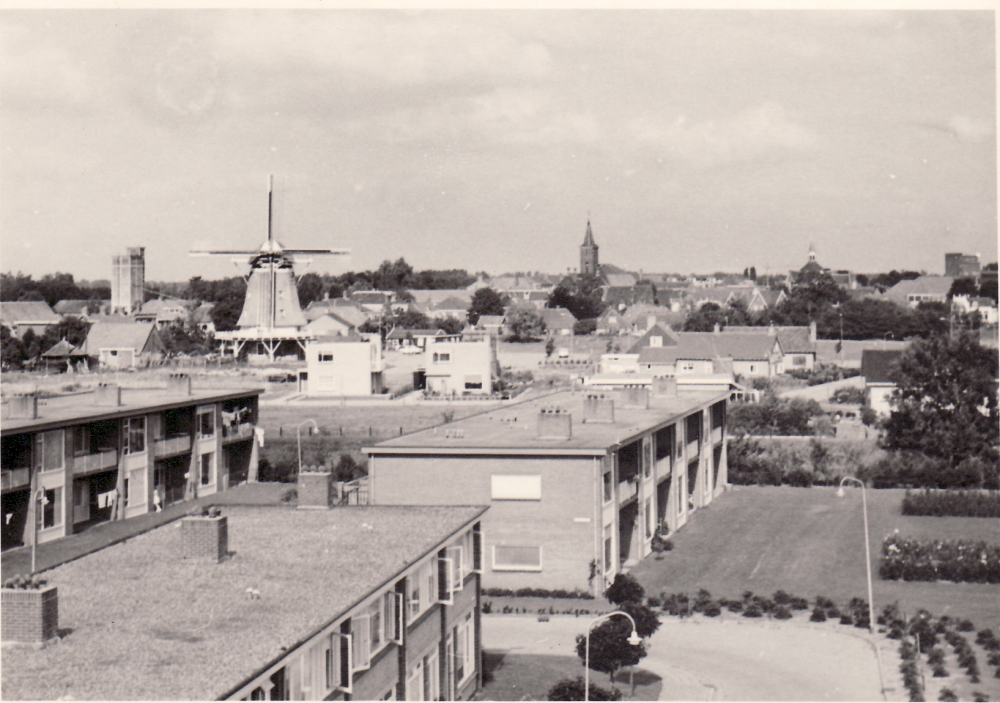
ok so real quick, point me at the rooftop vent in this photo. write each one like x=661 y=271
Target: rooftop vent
x=179 y=383
x=597 y=408
x=635 y=396
x=23 y=406
x=205 y=537
x=108 y=395
x=554 y=423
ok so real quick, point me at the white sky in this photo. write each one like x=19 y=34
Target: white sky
x=696 y=140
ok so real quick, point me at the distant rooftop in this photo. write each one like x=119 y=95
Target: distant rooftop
x=512 y=429
x=146 y=625
x=69 y=409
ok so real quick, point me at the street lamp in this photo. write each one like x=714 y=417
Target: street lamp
x=868 y=557
x=633 y=640
x=298 y=437
x=38 y=496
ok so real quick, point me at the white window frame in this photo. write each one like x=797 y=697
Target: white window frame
x=202 y=411
x=515 y=567
x=467 y=628
x=346 y=667
x=446 y=571
x=432 y=679
x=361 y=641
x=457 y=555
x=399 y=618
x=127 y=427
x=415 y=682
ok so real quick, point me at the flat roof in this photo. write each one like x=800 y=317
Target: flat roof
x=60 y=411
x=146 y=625
x=513 y=428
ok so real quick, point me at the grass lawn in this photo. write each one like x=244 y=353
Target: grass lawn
x=808 y=542
x=528 y=677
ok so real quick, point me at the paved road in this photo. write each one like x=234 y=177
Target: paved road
x=731 y=660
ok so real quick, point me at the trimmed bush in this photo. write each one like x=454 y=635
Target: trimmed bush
x=573 y=690
x=752 y=611
x=952 y=503
x=781 y=612
x=818 y=615
x=940 y=560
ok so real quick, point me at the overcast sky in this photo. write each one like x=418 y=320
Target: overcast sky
x=694 y=141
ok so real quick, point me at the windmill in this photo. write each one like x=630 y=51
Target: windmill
x=272 y=301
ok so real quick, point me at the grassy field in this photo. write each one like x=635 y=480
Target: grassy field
x=808 y=542
x=528 y=677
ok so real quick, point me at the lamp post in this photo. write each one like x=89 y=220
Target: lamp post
x=37 y=496
x=868 y=557
x=633 y=640
x=298 y=437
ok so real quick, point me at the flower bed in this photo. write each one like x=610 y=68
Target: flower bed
x=953 y=503
x=940 y=560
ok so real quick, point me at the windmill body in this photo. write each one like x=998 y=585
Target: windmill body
x=272 y=319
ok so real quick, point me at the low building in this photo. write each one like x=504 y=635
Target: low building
x=578 y=483
x=63 y=356
x=127 y=345
x=348 y=365
x=798 y=343
x=34 y=315
x=751 y=355
x=876 y=367
x=122 y=451
x=558 y=321
x=456 y=367
x=327 y=325
x=270 y=603
x=925 y=289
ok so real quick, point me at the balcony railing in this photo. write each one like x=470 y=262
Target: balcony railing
x=692 y=449
x=716 y=435
x=663 y=466
x=172 y=446
x=15 y=478
x=89 y=463
x=627 y=489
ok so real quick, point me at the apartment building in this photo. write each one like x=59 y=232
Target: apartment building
x=269 y=603
x=87 y=455
x=579 y=483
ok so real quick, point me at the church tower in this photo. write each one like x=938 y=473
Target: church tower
x=588 y=254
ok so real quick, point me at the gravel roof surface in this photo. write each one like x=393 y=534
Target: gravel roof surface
x=145 y=625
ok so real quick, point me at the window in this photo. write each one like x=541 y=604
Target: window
x=687 y=366
x=206 y=421
x=465 y=643
x=656 y=341
x=325 y=358
x=135 y=435
x=51 y=513
x=514 y=487
x=422 y=585
x=361 y=641
x=443 y=356
x=608 y=487
x=431 y=679
x=648 y=517
x=376 y=622
x=49 y=450
x=473 y=382
x=647 y=457
x=798 y=361
x=206 y=468
x=415 y=683
x=81 y=439
x=509 y=558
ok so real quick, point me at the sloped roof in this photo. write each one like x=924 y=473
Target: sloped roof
x=485 y=320
x=62 y=348
x=37 y=311
x=709 y=346
x=109 y=335
x=427 y=297
x=370 y=297
x=346 y=310
x=924 y=285
x=876 y=364
x=669 y=338
x=588 y=238
x=557 y=318
x=453 y=303
x=538 y=296
x=327 y=320
x=620 y=280
x=794 y=339
x=742 y=346
x=75 y=307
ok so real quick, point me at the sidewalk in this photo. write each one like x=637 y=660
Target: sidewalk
x=52 y=554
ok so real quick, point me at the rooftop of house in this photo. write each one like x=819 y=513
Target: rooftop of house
x=512 y=429
x=114 y=335
x=453 y=303
x=28 y=311
x=924 y=285
x=708 y=346
x=62 y=411
x=793 y=338
x=146 y=625
x=556 y=318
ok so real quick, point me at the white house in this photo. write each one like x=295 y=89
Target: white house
x=344 y=366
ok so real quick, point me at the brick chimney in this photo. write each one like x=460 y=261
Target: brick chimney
x=179 y=384
x=108 y=395
x=315 y=488
x=635 y=397
x=554 y=423
x=205 y=537
x=597 y=408
x=23 y=406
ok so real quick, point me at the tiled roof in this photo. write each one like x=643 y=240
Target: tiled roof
x=794 y=339
x=37 y=311
x=669 y=338
x=925 y=285
x=876 y=364
x=453 y=303
x=145 y=625
x=709 y=346
x=557 y=318
x=109 y=335
x=62 y=348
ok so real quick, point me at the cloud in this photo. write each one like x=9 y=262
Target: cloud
x=759 y=134
x=39 y=75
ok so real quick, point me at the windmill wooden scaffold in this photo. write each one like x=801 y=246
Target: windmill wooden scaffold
x=271 y=313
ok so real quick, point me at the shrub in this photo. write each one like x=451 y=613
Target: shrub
x=846 y=619
x=799 y=478
x=752 y=611
x=818 y=615
x=965 y=626
x=21 y=582
x=572 y=690
x=781 y=612
x=625 y=589
x=987 y=640
x=654 y=602
x=712 y=610
x=940 y=560
x=947 y=695
x=734 y=606
x=487 y=607
x=799 y=604
x=702 y=600
x=940 y=671
x=952 y=503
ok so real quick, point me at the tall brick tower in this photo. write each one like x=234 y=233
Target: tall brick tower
x=588 y=253
x=128 y=280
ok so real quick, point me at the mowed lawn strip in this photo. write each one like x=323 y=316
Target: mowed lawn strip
x=528 y=677
x=808 y=542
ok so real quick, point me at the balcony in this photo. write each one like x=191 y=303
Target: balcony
x=716 y=435
x=664 y=467
x=692 y=449
x=92 y=463
x=627 y=490
x=171 y=446
x=15 y=478
x=231 y=433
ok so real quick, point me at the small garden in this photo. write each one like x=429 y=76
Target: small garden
x=935 y=503
x=939 y=560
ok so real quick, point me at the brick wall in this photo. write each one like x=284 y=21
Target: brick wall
x=315 y=489
x=204 y=538
x=29 y=615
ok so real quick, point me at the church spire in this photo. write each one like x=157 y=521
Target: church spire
x=588 y=253
x=588 y=239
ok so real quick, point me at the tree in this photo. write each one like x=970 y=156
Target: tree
x=963 y=286
x=609 y=647
x=393 y=275
x=581 y=295
x=485 y=301
x=310 y=287
x=945 y=402
x=572 y=690
x=550 y=346
x=12 y=353
x=625 y=589
x=451 y=325
x=525 y=325
x=753 y=274
x=705 y=318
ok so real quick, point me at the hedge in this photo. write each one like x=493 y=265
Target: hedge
x=953 y=503
x=939 y=560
